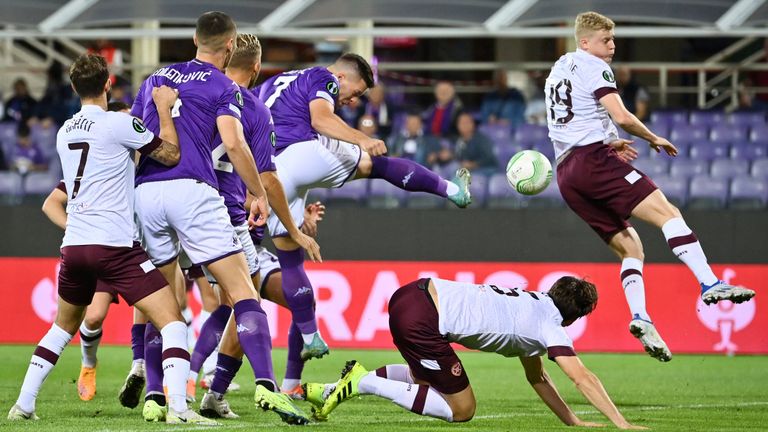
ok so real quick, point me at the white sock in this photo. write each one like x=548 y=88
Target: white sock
x=203 y=317
x=137 y=367
x=176 y=363
x=395 y=372
x=44 y=358
x=687 y=248
x=309 y=337
x=209 y=365
x=419 y=399
x=634 y=288
x=89 y=344
x=452 y=189
x=290 y=383
x=192 y=375
x=189 y=317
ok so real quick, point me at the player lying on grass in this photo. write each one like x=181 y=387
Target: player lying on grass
x=427 y=315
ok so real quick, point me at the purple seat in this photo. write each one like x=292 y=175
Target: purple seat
x=660 y=129
x=479 y=190
x=687 y=168
x=669 y=117
x=759 y=134
x=683 y=133
x=705 y=118
x=548 y=198
x=447 y=171
x=652 y=167
x=748 y=150
x=40 y=183
x=384 y=195
x=500 y=193
x=10 y=183
x=708 y=192
x=709 y=150
x=760 y=168
x=530 y=133
x=351 y=193
x=8 y=132
x=505 y=154
x=729 y=168
x=748 y=193
x=746 y=118
x=546 y=148
x=728 y=133
x=674 y=188
x=496 y=132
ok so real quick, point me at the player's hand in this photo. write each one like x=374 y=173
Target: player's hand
x=259 y=212
x=164 y=96
x=313 y=214
x=373 y=146
x=624 y=149
x=308 y=244
x=662 y=143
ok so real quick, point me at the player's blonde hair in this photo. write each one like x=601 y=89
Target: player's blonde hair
x=247 y=53
x=589 y=22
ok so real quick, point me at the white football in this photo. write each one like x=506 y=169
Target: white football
x=529 y=172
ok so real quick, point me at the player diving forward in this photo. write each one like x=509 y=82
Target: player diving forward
x=582 y=96
x=317 y=149
x=95 y=148
x=426 y=316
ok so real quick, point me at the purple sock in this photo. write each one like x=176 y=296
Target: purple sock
x=295 y=365
x=210 y=335
x=137 y=340
x=153 y=359
x=408 y=175
x=298 y=290
x=253 y=333
x=226 y=369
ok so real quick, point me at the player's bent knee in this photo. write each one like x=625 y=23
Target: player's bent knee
x=464 y=413
x=364 y=167
x=462 y=405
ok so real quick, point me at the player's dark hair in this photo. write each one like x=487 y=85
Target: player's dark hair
x=88 y=74
x=214 y=29
x=360 y=65
x=117 y=106
x=573 y=297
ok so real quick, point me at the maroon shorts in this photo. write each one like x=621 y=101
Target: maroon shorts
x=106 y=288
x=413 y=321
x=601 y=188
x=125 y=270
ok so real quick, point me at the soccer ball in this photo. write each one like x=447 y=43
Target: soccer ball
x=529 y=172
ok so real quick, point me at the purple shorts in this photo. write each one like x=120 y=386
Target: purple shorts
x=413 y=322
x=601 y=188
x=124 y=270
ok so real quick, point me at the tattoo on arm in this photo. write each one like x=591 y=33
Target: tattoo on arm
x=166 y=153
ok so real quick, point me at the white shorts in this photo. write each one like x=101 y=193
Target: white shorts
x=268 y=264
x=185 y=213
x=320 y=163
x=251 y=256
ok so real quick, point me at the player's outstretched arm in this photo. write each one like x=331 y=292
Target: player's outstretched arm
x=167 y=153
x=231 y=132
x=279 y=204
x=325 y=121
x=54 y=207
x=591 y=387
x=630 y=123
x=545 y=388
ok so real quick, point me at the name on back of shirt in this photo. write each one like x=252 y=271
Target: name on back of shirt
x=178 y=77
x=82 y=123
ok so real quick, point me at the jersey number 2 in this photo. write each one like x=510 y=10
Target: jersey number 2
x=219 y=164
x=556 y=101
x=281 y=83
x=83 y=147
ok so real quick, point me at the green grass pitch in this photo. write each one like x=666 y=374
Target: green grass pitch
x=691 y=393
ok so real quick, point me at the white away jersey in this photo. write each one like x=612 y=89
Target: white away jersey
x=573 y=90
x=96 y=149
x=508 y=321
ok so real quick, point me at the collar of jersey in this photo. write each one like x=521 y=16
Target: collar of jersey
x=91 y=107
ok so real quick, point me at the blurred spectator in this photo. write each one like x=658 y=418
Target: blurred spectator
x=381 y=110
x=121 y=92
x=59 y=102
x=634 y=95
x=367 y=125
x=113 y=56
x=413 y=144
x=474 y=150
x=503 y=106
x=119 y=106
x=26 y=156
x=441 y=116
x=351 y=112
x=21 y=106
x=536 y=108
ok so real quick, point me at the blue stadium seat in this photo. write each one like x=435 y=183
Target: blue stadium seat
x=674 y=188
x=729 y=168
x=728 y=133
x=760 y=168
x=748 y=193
x=687 y=168
x=501 y=195
x=683 y=133
x=652 y=167
x=709 y=150
x=759 y=134
x=746 y=118
x=669 y=117
x=705 y=118
x=748 y=150
x=352 y=193
x=384 y=195
x=40 y=183
x=10 y=183
x=708 y=192
x=548 y=198
x=479 y=190
x=530 y=133
x=546 y=148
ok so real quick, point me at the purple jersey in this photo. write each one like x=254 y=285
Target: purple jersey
x=259 y=132
x=205 y=93
x=288 y=96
